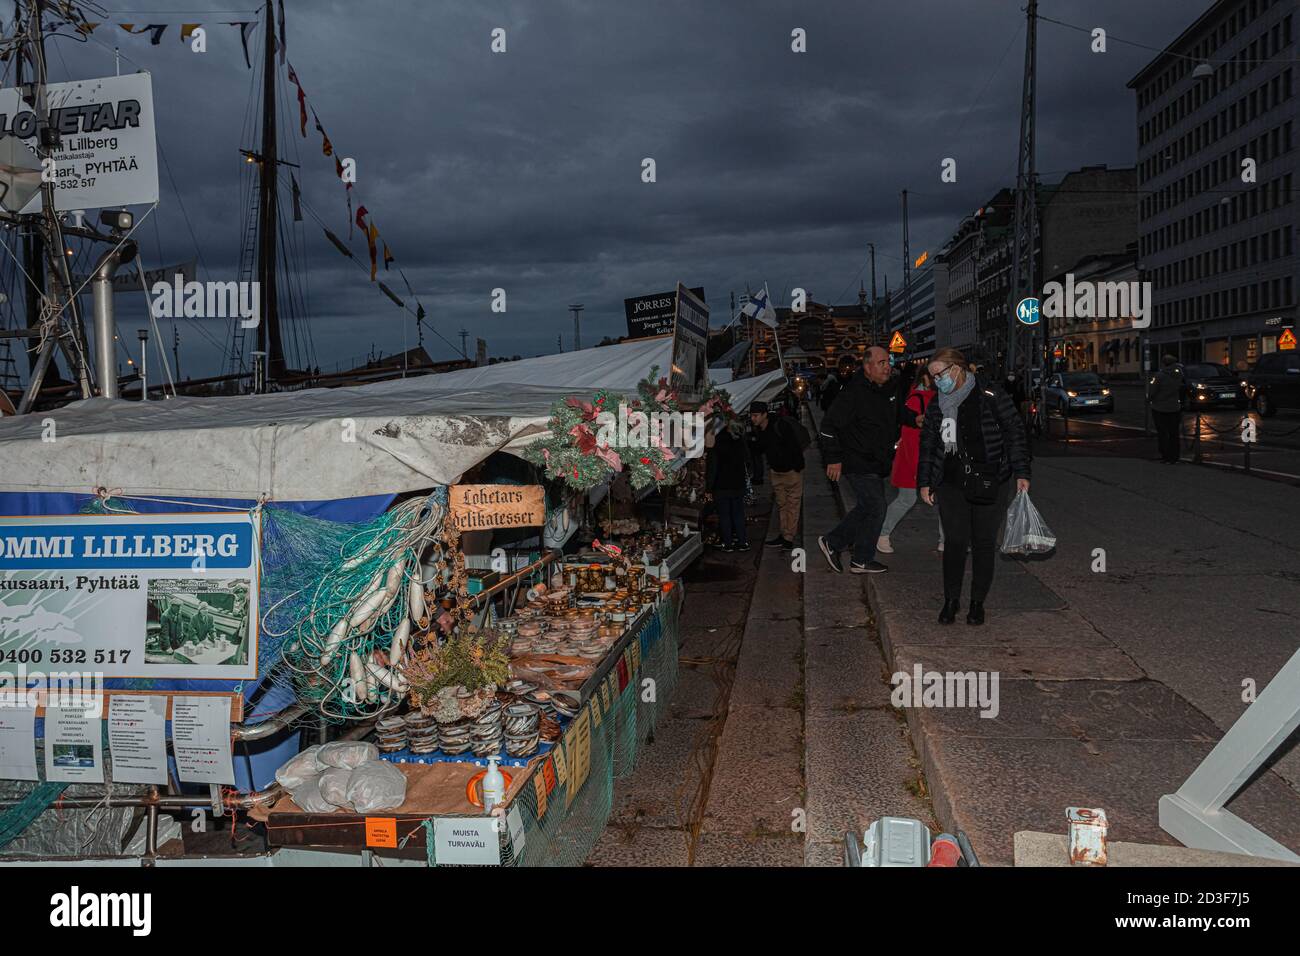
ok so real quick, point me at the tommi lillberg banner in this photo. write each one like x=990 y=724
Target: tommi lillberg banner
x=132 y=596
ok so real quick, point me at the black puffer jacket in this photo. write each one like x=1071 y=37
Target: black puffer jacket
x=861 y=428
x=999 y=426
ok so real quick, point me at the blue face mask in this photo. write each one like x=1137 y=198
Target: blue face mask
x=945 y=384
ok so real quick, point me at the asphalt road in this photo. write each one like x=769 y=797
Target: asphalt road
x=1275 y=454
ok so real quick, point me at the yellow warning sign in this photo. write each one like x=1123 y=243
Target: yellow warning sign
x=1286 y=341
x=898 y=344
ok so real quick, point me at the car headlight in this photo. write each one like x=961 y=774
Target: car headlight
x=1105 y=391
x=1245 y=384
x=1200 y=387
x=1073 y=394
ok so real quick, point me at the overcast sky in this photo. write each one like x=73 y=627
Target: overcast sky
x=522 y=170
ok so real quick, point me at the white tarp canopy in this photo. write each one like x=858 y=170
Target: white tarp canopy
x=318 y=444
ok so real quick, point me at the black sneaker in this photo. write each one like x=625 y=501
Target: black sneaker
x=832 y=558
x=778 y=542
x=871 y=567
x=741 y=547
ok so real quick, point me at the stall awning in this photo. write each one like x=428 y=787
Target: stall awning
x=317 y=444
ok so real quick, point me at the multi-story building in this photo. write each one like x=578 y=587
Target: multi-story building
x=963 y=255
x=919 y=314
x=1217 y=133
x=1110 y=345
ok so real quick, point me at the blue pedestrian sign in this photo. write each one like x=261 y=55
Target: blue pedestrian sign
x=1027 y=311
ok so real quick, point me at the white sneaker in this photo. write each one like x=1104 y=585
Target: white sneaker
x=940 y=548
x=883 y=545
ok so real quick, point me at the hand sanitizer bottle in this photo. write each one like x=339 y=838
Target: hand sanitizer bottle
x=494 y=786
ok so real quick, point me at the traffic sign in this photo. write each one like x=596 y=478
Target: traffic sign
x=1286 y=341
x=898 y=344
x=1027 y=310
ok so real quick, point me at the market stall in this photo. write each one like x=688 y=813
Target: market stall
x=345 y=565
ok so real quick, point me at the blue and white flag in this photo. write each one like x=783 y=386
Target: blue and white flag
x=759 y=307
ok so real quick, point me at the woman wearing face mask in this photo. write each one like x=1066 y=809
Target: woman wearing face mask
x=972 y=441
x=903 y=474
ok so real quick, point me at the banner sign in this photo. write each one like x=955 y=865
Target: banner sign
x=108 y=155
x=480 y=507
x=649 y=315
x=128 y=280
x=690 y=346
x=142 y=596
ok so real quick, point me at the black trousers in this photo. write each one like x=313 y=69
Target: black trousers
x=1168 y=427
x=972 y=526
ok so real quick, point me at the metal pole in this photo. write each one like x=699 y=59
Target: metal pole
x=101 y=287
x=143 y=335
x=1246 y=449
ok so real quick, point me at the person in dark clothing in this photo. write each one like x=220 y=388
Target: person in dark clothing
x=858 y=436
x=1165 y=393
x=970 y=427
x=835 y=382
x=779 y=439
x=726 y=481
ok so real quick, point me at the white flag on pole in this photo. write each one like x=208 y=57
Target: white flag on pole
x=759 y=307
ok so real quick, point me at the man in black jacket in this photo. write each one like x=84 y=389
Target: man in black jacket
x=858 y=436
x=781 y=440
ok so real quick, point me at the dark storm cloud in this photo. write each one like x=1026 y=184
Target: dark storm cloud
x=522 y=170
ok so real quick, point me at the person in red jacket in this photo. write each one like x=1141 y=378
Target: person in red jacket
x=903 y=475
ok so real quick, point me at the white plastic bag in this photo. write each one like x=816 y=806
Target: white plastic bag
x=309 y=800
x=348 y=754
x=1026 y=531
x=333 y=785
x=298 y=769
x=377 y=785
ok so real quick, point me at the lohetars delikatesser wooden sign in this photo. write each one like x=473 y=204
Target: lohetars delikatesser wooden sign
x=480 y=507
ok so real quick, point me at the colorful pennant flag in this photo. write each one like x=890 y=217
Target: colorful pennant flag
x=244 y=27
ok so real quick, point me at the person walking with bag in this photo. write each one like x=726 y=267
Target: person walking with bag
x=858 y=435
x=1165 y=393
x=903 y=475
x=972 y=441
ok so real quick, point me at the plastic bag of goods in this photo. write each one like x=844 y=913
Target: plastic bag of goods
x=333 y=785
x=1026 y=531
x=348 y=754
x=298 y=769
x=377 y=785
x=309 y=800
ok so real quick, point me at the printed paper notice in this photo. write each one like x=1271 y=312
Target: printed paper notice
x=18 y=743
x=137 y=738
x=468 y=841
x=74 y=749
x=201 y=739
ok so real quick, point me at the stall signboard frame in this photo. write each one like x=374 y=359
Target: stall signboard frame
x=651 y=315
x=690 y=371
x=108 y=153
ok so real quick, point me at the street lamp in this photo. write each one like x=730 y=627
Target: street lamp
x=1202 y=71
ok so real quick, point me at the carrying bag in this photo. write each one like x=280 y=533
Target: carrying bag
x=1026 y=531
x=979 y=482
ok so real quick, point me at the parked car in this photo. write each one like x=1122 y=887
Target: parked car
x=1069 y=392
x=1274 y=382
x=1212 y=386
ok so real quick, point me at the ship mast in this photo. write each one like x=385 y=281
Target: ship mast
x=59 y=301
x=268 y=331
